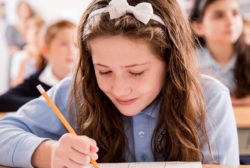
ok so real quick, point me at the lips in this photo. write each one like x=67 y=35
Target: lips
x=125 y=101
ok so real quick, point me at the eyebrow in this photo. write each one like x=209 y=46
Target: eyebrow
x=126 y=66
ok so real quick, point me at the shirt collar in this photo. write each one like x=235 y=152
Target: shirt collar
x=152 y=110
x=228 y=67
x=48 y=77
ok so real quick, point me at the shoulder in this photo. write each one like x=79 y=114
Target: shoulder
x=11 y=27
x=61 y=91
x=65 y=84
x=220 y=122
x=217 y=98
x=211 y=85
x=215 y=93
x=203 y=55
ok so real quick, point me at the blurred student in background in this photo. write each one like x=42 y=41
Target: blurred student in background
x=28 y=60
x=59 y=49
x=15 y=33
x=223 y=54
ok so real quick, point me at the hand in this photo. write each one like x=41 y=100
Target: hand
x=73 y=151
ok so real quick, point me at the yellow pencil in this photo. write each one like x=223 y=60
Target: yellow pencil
x=61 y=117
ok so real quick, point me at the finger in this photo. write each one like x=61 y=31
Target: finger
x=93 y=146
x=83 y=144
x=93 y=142
x=79 y=157
x=94 y=156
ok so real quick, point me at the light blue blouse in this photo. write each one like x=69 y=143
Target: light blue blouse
x=22 y=132
x=208 y=65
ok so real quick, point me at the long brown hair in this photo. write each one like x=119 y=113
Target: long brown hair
x=182 y=108
x=242 y=69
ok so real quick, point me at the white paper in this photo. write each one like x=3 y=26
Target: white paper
x=150 y=165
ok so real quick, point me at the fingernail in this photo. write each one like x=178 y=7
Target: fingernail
x=87 y=159
x=94 y=156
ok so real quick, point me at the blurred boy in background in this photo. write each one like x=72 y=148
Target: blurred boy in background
x=59 y=50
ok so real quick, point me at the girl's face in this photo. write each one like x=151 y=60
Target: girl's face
x=127 y=71
x=61 y=52
x=32 y=34
x=222 y=22
x=24 y=11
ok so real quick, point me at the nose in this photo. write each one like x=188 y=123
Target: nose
x=120 y=87
x=230 y=19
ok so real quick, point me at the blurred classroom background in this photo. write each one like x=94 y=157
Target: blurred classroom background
x=50 y=10
x=47 y=9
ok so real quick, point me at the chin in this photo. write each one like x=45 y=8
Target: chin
x=129 y=112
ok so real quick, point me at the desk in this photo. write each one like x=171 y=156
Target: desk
x=242 y=116
x=207 y=166
x=219 y=166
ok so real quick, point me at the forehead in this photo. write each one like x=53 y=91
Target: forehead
x=120 y=50
x=223 y=5
x=64 y=33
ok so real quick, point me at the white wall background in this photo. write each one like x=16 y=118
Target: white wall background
x=50 y=9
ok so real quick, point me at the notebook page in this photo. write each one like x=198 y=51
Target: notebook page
x=150 y=165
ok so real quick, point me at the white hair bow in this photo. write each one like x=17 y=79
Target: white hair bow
x=117 y=8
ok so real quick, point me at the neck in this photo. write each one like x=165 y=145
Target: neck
x=59 y=74
x=222 y=53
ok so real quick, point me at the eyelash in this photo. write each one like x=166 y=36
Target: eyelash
x=137 y=74
x=104 y=73
x=132 y=73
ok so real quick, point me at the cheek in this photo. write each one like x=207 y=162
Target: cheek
x=103 y=84
x=149 y=85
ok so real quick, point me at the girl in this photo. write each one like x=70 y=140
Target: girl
x=29 y=60
x=59 y=51
x=135 y=97
x=15 y=33
x=225 y=55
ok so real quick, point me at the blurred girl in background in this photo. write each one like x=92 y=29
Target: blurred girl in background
x=29 y=60
x=15 y=33
x=59 y=49
x=219 y=26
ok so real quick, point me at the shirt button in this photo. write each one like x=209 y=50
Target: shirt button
x=141 y=134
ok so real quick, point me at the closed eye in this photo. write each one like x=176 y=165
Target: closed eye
x=104 y=72
x=137 y=73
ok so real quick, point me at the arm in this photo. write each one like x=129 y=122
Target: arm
x=21 y=94
x=11 y=35
x=220 y=125
x=20 y=70
x=21 y=133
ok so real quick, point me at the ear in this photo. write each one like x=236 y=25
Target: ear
x=198 y=28
x=45 y=51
